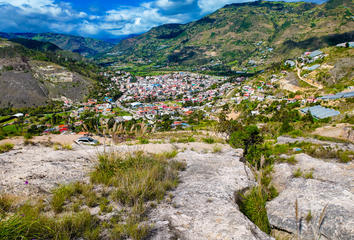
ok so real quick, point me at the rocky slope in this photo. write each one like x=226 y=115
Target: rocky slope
x=202 y=207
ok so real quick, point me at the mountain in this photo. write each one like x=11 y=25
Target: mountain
x=87 y=47
x=36 y=45
x=120 y=38
x=241 y=34
x=32 y=77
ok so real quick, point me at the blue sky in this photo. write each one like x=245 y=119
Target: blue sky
x=100 y=19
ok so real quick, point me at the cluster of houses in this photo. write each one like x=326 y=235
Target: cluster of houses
x=188 y=86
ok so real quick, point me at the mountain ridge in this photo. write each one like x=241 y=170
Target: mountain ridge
x=87 y=47
x=239 y=32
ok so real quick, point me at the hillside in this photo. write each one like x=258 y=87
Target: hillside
x=252 y=35
x=87 y=47
x=32 y=78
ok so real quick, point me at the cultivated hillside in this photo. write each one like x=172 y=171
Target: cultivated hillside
x=87 y=47
x=238 y=33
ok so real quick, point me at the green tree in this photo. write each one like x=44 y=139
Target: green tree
x=249 y=136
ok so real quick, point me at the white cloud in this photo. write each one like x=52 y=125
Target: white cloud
x=61 y=17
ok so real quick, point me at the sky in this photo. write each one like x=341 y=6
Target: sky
x=101 y=19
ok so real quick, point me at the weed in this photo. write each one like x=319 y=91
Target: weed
x=103 y=204
x=290 y=160
x=28 y=142
x=6 y=202
x=27 y=136
x=170 y=154
x=135 y=229
x=56 y=146
x=208 y=140
x=309 y=175
x=92 y=234
x=298 y=173
x=308 y=217
x=137 y=177
x=216 y=148
x=143 y=140
x=67 y=146
x=76 y=206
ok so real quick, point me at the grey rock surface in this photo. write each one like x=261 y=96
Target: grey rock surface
x=281 y=175
x=333 y=183
x=313 y=195
x=203 y=205
x=343 y=146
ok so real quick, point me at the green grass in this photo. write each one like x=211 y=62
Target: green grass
x=117 y=109
x=298 y=173
x=29 y=223
x=10 y=128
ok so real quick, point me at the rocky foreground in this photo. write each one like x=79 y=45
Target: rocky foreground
x=203 y=205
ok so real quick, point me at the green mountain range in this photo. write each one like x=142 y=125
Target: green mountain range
x=87 y=47
x=254 y=34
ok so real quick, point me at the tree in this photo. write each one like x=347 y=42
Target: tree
x=285 y=127
x=346 y=44
x=307 y=117
x=246 y=138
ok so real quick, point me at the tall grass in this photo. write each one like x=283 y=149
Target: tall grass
x=137 y=177
x=28 y=223
x=254 y=207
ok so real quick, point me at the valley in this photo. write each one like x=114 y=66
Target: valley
x=239 y=125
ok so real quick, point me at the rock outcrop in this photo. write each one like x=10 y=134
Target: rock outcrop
x=203 y=204
x=332 y=184
x=348 y=133
x=342 y=146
